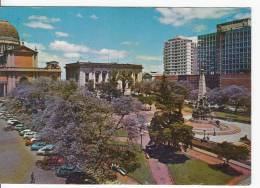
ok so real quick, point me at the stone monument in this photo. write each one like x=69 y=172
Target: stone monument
x=201 y=110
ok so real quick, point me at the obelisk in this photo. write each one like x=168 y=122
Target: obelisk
x=202 y=85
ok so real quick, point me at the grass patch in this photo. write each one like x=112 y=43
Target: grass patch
x=142 y=174
x=197 y=172
x=233 y=117
x=121 y=133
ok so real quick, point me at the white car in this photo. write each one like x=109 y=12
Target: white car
x=11 y=121
x=46 y=150
x=24 y=131
x=29 y=135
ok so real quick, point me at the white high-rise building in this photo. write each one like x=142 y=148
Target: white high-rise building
x=180 y=56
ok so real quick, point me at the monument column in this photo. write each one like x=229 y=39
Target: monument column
x=82 y=78
x=106 y=77
x=100 y=77
x=202 y=85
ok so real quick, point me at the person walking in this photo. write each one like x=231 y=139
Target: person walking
x=32 y=178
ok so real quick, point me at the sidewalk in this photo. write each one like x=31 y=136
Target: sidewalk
x=160 y=172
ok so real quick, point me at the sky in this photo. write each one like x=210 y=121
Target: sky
x=124 y=35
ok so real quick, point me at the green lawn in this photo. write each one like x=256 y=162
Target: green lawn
x=142 y=174
x=234 y=117
x=197 y=172
x=121 y=133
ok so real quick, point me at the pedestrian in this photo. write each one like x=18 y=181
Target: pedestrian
x=32 y=178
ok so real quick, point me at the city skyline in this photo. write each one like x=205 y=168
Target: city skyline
x=127 y=35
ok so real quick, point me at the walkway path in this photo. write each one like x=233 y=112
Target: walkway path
x=160 y=172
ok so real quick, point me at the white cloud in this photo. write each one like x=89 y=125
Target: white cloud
x=94 y=17
x=41 y=22
x=39 y=25
x=43 y=19
x=79 y=15
x=72 y=55
x=76 y=50
x=61 y=34
x=199 y=28
x=148 y=58
x=130 y=43
x=32 y=45
x=180 y=16
x=153 y=68
x=242 y=15
x=111 y=53
x=64 y=46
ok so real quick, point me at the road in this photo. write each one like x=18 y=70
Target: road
x=245 y=130
x=17 y=162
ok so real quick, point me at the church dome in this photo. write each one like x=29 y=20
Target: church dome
x=8 y=33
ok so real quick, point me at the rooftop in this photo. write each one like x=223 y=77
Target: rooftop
x=104 y=65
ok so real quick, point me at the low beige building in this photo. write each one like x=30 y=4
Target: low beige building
x=84 y=72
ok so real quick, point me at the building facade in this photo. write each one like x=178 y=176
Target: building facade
x=207 y=53
x=85 y=72
x=228 y=51
x=180 y=56
x=19 y=63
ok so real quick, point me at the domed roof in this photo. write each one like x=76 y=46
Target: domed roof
x=8 y=32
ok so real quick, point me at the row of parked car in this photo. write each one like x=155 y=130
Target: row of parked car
x=51 y=160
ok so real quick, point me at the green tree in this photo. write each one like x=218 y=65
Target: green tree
x=126 y=78
x=230 y=151
x=167 y=126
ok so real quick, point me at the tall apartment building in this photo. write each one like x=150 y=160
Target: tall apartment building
x=180 y=56
x=228 y=51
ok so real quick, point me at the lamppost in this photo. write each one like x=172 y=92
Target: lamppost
x=141 y=134
x=204 y=132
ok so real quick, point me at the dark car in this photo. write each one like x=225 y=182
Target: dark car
x=119 y=169
x=79 y=178
x=65 y=170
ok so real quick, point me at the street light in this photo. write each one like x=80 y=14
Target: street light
x=141 y=134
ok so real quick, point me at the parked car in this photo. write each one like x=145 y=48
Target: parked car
x=38 y=145
x=46 y=150
x=21 y=133
x=48 y=162
x=80 y=178
x=29 y=135
x=12 y=120
x=19 y=127
x=119 y=169
x=29 y=142
x=13 y=123
x=65 y=170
